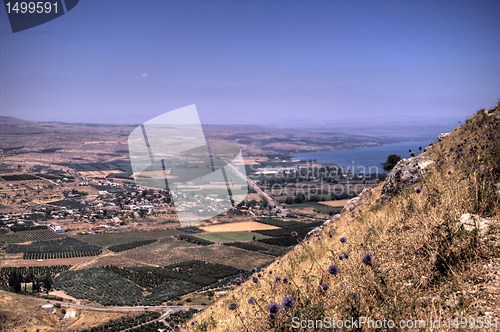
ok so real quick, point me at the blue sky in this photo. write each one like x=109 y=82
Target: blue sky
x=256 y=62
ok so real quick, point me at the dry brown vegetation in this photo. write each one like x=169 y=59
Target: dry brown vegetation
x=238 y=227
x=21 y=313
x=426 y=263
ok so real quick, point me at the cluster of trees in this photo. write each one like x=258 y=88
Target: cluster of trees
x=17 y=280
x=323 y=196
x=99 y=285
x=197 y=272
x=29 y=236
x=195 y=240
x=60 y=254
x=64 y=247
x=26 y=227
x=180 y=317
x=30 y=279
x=191 y=230
x=287 y=236
x=130 y=245
x=19 y=177
x=391 y=161
x=253 y=246
x=113 y=285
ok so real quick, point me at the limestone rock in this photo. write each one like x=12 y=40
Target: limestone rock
x=469 y=222
x=406 y=172
x=442 y=136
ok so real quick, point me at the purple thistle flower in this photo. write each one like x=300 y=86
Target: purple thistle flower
x=251 y=300
x=346 y=255
x=343 y=239
x=333 y=269
x=324 y=287
x=238 y=280
x=341 y=257
x=418 y=190
x=367 y=259
x=232 y=306
x=288 y=302
x=285 y=280
x=273 y=307
x=255 y=279
x=254 y=270
x=277 y=278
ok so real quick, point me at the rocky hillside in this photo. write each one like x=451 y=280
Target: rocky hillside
x=421 y=248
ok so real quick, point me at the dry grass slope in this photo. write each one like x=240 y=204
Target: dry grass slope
x=425 y=263
x=23 y=314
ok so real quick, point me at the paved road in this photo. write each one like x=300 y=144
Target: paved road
x=272 y=203
x=166 y=309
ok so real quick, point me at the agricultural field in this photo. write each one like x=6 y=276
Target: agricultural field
x=287 y=236
x=101 y=286
x=24 y=314
x=60 y=254
x=195 y=272
x=99 y=174
x=35 y=271
x=258 y=247
x=314 y=208
x=130 y=245
x=29 y=236
x=237 y=227
x=69 y=204
x=112 y=285
x=281 y=223
x=224 y=237
x=19 y=262
x=175 y=251
x=107 y=240
x=52 y=249
x=18 y=177
x=195 y=240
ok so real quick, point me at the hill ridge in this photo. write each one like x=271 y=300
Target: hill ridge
x=427 y=253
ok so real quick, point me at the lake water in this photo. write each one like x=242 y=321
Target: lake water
x=364 y=159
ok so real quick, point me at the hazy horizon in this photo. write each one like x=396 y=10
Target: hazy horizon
x=388 y=131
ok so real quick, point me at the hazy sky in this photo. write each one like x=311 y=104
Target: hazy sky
x=287 y=62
